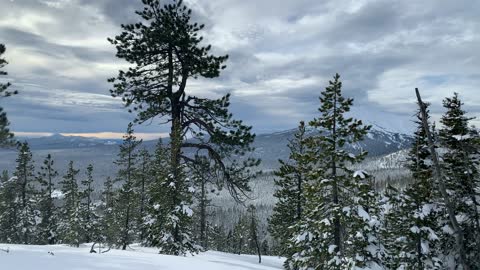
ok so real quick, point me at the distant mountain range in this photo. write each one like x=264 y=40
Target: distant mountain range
x=58 y=141
x=380 y=143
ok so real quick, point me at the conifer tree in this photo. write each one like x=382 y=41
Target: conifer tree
x=175 y=235
x=202 y=179
x=89 y=215
x=70 y=226
x=453 y=227
x=6 y=137
x=417 y=228
x=165 y=50
x=393 y=225
x=218 y=239
x=155 y=219
x=266 y=248
x=48 y=210
x=254 y=240
x=411 y=224
x=127 y=197
x=231 y=246
x=460 y=162
x=27 y=197
x=240 y=236
x=144 y=181
x=339 y=229
x=108 y=223
x=290 y=194
x=9 y=209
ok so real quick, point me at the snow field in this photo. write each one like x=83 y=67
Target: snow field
x=23 y=257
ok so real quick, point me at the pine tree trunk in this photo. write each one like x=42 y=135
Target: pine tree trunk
x=175 y=161
x=203 y=218
x=127 y=215
x=258 y=249
x=50 y=239
x=127 y=220
x=336 y=223
x=299 y=198
x=459 y=237
x=24 y=205
x=142 y=204
x=87 y=236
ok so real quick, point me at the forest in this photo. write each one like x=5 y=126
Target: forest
x=329 y=213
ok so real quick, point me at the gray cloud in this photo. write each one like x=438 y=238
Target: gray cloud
x=282 y=54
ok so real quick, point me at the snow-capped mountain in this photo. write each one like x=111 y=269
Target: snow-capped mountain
x=378 y=142
x=269 y=147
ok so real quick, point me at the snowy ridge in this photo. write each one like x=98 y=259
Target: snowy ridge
x=395 y=160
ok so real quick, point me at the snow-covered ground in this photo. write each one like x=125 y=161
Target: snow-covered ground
x=21 y=257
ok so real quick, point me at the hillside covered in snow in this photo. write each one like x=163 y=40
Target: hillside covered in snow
x=20 y=257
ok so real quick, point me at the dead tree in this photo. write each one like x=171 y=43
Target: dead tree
x=459 y=238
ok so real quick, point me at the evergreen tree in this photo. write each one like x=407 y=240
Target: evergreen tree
x=254 y=241
x=393 y=225
x=70 y=226
x=339 y=228
x=266 y=248
x=166 y=51
x=9 y=209
x=417 y=230
x=27 y=197
x=231 y=246
x=155 y=219
x=202 y=179
x=173 y=199
x=48 y=226
x=240 y=236
x=218 y=239
x=290 y=193
x=460 y=161
x=142 y=185
x=6 y=137
x=88 y=211
x=127 y=197
x=108 y=223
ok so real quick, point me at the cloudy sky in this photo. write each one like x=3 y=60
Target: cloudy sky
x=282 y=54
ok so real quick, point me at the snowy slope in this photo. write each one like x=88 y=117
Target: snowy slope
x=21 y=257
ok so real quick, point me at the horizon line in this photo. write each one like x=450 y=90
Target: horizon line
x=98 y=135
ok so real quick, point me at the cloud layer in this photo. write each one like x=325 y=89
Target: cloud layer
x=282 y=54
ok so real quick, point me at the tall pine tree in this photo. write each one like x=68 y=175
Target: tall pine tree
x=6 y=137
x=416 y=231
x=393 y=226
x=175 y=235
x=88 y=210
x=70 y=225
x=108 y=223
x=26 y=196
x=202 y=178
x=339 y=229
x=254 y=240
x=165 y=50
x=127 y=197
x=290 y=182
x=9 y=209
x=460 y=163
x=144 y=180
x=48 y=210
